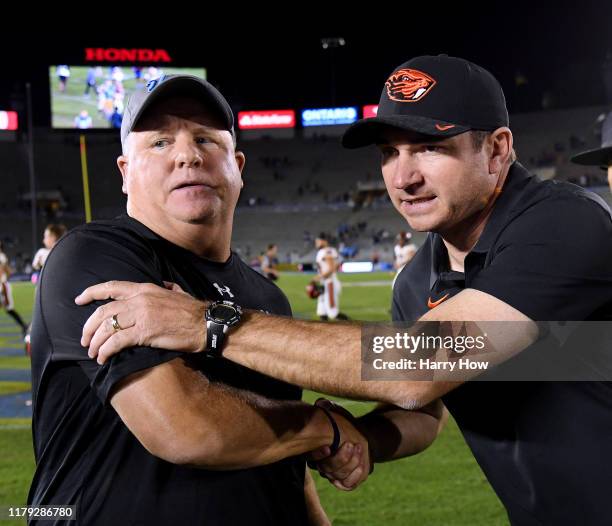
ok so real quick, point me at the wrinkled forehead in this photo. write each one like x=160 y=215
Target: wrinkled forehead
x=163 y=113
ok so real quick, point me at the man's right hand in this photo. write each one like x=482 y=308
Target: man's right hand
x=149 y=315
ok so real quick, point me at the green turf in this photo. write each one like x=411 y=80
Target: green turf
x=376 y=308
x=23 y=296
x=16 y=463
x=14 y=387
x=442 y=486
x=14 y=362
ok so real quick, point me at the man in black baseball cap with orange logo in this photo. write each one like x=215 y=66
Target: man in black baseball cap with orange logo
x=437 y=96
x=503 y=246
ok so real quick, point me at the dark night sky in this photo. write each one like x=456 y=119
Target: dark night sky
x=557 y=49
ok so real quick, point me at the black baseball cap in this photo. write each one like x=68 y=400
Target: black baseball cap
x=174 y=86
x=601 y=156
x=440 y=96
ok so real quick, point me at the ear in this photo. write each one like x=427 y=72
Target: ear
x=122 y=163
x=500 y=149
x=240 y=161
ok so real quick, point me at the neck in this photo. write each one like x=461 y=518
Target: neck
x=210 y=241
x=462 y=238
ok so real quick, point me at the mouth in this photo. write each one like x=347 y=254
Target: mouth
x=417 y=200
x=194 y=185
x=418 y=204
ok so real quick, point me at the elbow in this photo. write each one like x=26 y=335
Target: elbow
x=410 y=395
x=187 y=448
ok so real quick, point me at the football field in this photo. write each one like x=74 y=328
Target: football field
x=442 y=486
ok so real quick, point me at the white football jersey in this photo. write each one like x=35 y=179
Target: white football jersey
x=323 y=254
x=404 y=254
x=40 y=258
x=3 y=263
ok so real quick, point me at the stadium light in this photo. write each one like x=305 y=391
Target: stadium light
x=332 y=43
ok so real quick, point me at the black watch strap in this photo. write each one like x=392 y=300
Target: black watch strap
x=215 y=334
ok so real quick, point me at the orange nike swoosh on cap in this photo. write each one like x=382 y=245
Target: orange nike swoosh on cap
x=445 y=127
x=432 y=304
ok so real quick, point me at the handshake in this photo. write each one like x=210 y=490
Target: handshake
x=348 y=461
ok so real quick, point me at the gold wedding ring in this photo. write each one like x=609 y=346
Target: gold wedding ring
x=115 y=323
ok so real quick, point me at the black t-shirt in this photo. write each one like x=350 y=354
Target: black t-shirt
x=546 y=447
x=85 y=455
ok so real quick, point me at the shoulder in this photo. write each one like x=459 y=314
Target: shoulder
x=562 y=211
x=116 y=234
x=111 y=249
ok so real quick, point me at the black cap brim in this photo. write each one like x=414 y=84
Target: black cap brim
x=599 y=157
x=369 y=131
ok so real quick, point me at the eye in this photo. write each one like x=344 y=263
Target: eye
x=202 y=140
x=433 y=148
x=160 y=143
x=387 y=151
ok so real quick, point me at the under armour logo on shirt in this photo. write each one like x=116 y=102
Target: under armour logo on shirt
x=223 y=290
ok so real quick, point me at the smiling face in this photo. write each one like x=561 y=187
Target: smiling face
x=180 y=167
x=436 y=184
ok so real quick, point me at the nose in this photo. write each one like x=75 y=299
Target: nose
x=187 y=154
x=406 y=173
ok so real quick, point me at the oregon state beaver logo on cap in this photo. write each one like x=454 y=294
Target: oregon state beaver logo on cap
x=408 y=85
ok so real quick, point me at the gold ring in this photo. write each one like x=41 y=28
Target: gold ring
x=115 y=323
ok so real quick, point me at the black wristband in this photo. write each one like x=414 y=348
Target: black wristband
x=335 y=445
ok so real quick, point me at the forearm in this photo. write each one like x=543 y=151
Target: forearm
x=239 y=430
x=318 y=356
x=396 y=433
x=327 y=357
x=180 y=416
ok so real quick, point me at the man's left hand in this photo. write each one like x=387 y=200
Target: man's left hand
x=351 y=464
x=148 y=315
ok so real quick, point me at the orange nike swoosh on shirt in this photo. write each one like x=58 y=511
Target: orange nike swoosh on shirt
x=432 y=304
x=444 y=128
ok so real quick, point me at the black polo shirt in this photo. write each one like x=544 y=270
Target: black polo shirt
x=546 y=447
x=85 y=455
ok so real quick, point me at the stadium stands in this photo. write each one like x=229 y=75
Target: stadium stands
x=294 y=188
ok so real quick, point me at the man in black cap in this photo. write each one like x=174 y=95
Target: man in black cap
x=155 y=436
x=503 y=246
x=601 y=157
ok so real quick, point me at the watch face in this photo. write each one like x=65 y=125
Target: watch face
x=223 y=313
